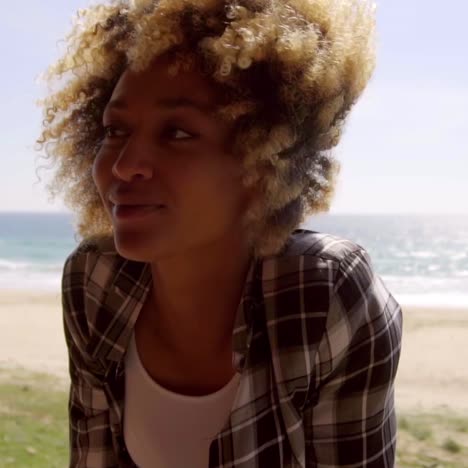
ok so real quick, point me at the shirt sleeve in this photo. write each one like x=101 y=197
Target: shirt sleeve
x=90 y=440
x=351 y=421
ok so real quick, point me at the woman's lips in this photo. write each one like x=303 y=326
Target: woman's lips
x=134 y=212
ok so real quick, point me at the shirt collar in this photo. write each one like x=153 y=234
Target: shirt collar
x=127 y=293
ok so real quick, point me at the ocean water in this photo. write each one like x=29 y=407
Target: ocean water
x=33 y=248
x=423 y=260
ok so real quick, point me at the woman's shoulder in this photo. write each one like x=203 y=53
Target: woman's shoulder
x=318 y=245
x=334 y=280
x=316 y=261
x=96 y=283
x=322 y=264
x=93 y=259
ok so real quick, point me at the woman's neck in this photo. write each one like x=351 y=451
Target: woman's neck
x=196 y=295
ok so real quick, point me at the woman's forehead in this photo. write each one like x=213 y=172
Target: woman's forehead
x=156 y=82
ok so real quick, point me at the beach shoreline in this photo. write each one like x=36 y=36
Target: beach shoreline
x=432 y=373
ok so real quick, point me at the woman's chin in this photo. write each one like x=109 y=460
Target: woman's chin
x=140 y=248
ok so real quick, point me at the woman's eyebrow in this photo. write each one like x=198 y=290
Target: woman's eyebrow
x=167 y=102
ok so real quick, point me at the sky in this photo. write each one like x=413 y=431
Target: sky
x=402 y=150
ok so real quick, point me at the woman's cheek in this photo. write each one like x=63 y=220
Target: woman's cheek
x=100 y=171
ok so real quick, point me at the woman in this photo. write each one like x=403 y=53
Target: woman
x=203 y=327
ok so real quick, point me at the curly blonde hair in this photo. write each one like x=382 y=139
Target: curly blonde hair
x=291 y=71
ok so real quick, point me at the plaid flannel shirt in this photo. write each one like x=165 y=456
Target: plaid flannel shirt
x=318 y=338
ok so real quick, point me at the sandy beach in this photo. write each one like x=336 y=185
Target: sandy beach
x=433 y=371
x=31 y=332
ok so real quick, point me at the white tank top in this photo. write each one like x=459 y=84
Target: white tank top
x=168 y=430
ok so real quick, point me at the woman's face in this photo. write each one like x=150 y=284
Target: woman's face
x=164 y=172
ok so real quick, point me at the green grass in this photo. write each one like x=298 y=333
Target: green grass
x=34 y=428
x=451 y=446
x=33 y=421
x=436 y=440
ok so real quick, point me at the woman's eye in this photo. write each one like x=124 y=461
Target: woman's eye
x=112 y=132
x=179 y=134
x=171 y=132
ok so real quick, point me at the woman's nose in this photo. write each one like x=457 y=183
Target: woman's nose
x=133 y=162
